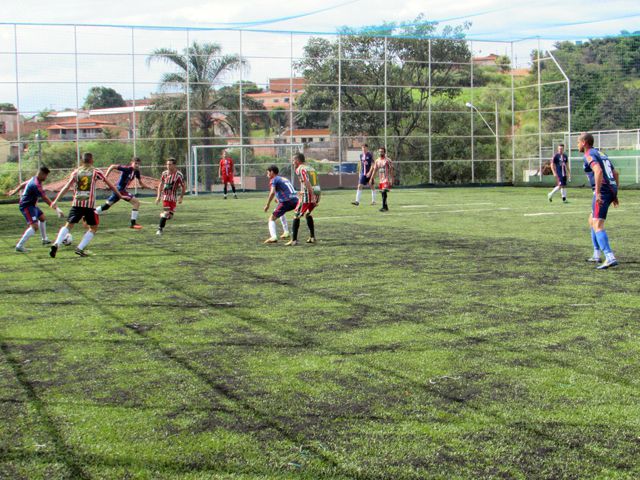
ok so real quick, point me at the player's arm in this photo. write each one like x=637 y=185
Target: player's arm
x=182 y=189
x=568 y=169
x=220 y=169
x=374 y=170
x=110 y=169
x=553 y=167
x=19 y=187
x=597 y=176
x=272 y=194
x=159 y=189
x=64 y=190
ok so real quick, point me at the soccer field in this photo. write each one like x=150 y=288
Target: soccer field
x=460 y=335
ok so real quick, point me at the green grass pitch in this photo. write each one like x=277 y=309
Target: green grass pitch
x=460 y=335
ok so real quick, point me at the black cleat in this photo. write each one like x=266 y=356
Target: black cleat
x=81 y=253
x=355 y=203
x=53 y=251
x=384 y=209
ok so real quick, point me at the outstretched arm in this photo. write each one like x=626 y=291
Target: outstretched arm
x=64 y=190
x=272 y=193
x=19 y=187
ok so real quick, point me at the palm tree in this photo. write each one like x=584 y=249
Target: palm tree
x=201 y=67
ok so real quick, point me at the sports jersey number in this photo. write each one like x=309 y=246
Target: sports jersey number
x=314 y=177
x=287 y=184
x=609 y=170
x=84 y=186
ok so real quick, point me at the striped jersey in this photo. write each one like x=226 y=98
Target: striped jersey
x=226 y=167
x=384 y=169
x=31 y=193
x=305 y=172
x=85 y=180
x=170 y=184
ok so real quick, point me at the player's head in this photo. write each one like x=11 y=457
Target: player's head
x=43 y=172
x=298 y=159
x=135 y=162
x=383 y=152
x=561 y=148
x=585 y=142
x=365 y=147
x=171 y=164
x=272 y=171
x=225 y=153
x=87 y=158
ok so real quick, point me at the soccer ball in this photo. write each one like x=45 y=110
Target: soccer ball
x=67 y=240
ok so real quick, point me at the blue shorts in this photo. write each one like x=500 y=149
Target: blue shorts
x=284 y=207
x=31 y=213
x=363 y=180
x=608 y=194
x=113 y=198
x=562 y=181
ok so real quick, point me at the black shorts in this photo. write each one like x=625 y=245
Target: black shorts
x=78 y=213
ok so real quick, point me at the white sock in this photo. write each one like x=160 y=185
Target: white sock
x=553 y=192
x=373 y=195
x=86 y=239
x=358 y=195
x=43 y=229
x=563 y=192
x=272 y=229
x=28 y=233
x=609 y=256
x=99 y=210
x=596 y=253
x=285 y=225
x=61 y=234
x=134 y=214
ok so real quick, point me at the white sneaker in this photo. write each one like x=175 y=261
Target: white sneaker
x=21 y=249
x=159 y=233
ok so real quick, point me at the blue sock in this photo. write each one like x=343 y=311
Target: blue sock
x=603 y=241
x=596 y=246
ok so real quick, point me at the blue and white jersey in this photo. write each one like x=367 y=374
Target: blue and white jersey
x=366 y=163
x=32 y=192
x=284 y=189
x=595 y=156
x=127 y=175
x=560 y=161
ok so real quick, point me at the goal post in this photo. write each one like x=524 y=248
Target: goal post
x=250 y=161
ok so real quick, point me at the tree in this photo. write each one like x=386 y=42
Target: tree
x=504 y=63
x=102 y=97
x=8 y=107
x=202 y=68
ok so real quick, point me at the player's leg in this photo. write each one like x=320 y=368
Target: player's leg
x=112 y=200
x=312 y=228
x=233 y=189
x=358 y=193
x=224 y=189
x=91 y=220
x=595 y=258
x=273 y=234
x=135 y=206
x=42 y=225
x=296 y=225
x=285 y=227
x=385 y=207
x=73 y=218
x=599 y=217
x=555 y=189
x=166 y=215
x=31 y=215
x=373 y=194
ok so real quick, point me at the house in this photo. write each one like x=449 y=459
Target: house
x=489 y=60
x=281 y=94
x=84 y=129
x=308 y=135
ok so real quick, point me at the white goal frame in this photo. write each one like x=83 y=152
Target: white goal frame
x=193 y=163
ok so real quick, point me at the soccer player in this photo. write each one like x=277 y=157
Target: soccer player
x=605 y=193
x=128 y=173
x=366 y=165
x=287 y=197
x=171 y=180
x=562 y=171
x=308 y=198
x=29 y=208
x=384 y=168
x=84 y=181
x=226 y=172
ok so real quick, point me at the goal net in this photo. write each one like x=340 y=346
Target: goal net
x=250 y=163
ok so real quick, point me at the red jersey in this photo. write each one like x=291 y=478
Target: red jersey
x=226 y=167
x=85 y=180
x=170 y=184
x=385 y=167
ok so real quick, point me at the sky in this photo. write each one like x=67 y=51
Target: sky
x=497 y=20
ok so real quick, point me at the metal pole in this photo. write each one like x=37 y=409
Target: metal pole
x=240 y=93
x=539 y=116
x=429 y=109
x=498 y=171
x=566 y=77
x=75 y=44
x=291 y=100
x=513 y=120
x=18 y=130
x=386 y=83
x=189 y=142
x=473 y=173
x=133 y=86
x=339 y=111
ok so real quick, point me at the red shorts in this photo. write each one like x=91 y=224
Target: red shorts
x=227 y=179
x=171 y=206
x=305 y=208
x=384 y=186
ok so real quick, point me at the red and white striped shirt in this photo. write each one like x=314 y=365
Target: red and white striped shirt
x=226 y=167
x=384 y=169
x=85 y=180
x=170 y=184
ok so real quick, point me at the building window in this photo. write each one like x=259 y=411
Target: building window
x=322 y=139
x=286 y=99
x=3 y=128
x=275 y=100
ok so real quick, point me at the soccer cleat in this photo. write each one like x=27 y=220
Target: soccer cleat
x=384 y=209
x=607 y=264
x=46 y=241
x=291 y=243
x=357 y=204
x=21 y=249
x=235 y=196
x=311 y=240
x=135 y=226
x=373 y=202
x=564 y=200
x=285 y=235
x=271 y=240
x=593 y=259
x=53 y=251
x=81 y=253
x=550 y=200
x=159 y=232
x=225 y=197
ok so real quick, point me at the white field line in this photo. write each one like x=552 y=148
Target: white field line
x=447 y=205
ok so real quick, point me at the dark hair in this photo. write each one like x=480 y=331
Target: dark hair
x=136 y=159
x=273 y=168
x=365 y=145
x=87 y=157
x=172 y=160
x=44 y=170
x=383 y=149
x=299 y=157
x=587 y=138
x=561 y=145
